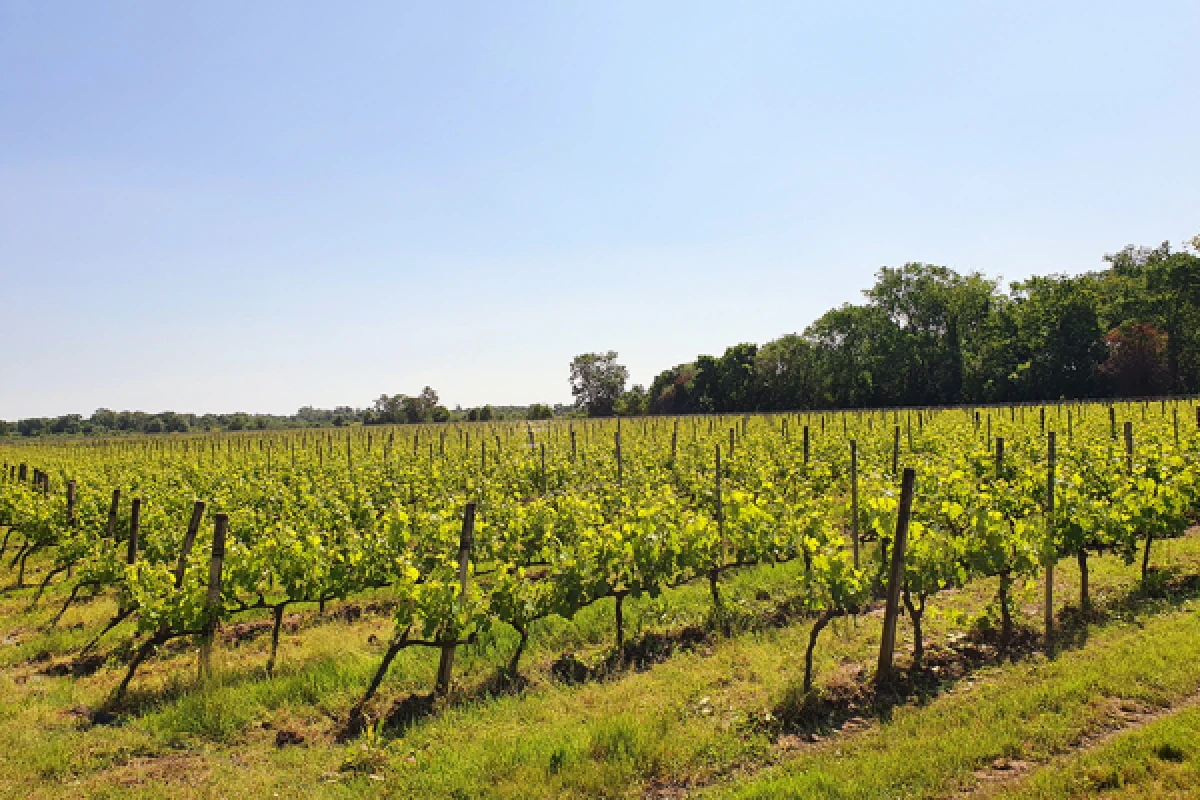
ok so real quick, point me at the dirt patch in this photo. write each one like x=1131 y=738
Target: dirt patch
x=245 y=631
x=172 y=769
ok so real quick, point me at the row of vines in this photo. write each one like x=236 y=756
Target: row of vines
x=470 y=526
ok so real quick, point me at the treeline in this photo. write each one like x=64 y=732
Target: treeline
x=394 y=412
x=104 y=421
x=927 y=335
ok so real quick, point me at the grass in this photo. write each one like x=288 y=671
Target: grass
x=1161 y=759
x=718 y=717
x=1028 y=712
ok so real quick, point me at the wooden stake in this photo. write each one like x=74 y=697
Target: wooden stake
x=112 y=514
x=1051 y=551
x=189 y=539
x=854 y=498
x=212 y=601
x=896 y=451
x=135 y=520
x=1129 y=447
x=446 y=664
x=887 y=646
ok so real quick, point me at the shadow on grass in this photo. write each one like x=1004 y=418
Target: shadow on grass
x=655 y=647
x=639 y=654
x=852 y=696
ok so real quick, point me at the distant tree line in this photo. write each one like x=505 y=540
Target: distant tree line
x=927 y=335
x=104 y=421
x=387 y=410
x=400 y=408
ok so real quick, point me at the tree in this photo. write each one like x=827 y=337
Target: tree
x=938 y=313
x=397 y=408
x=726 y=383
x=1137 y=359
x=31 y=427
x=68 y=423
x=633 y=403
x=859 y=352
x=387 y=409
x=597 y=382
x=671 y=392
x=787 y=374
x=104 y=418
x=1160 y=287
x=539 y=411
x=1059 y=333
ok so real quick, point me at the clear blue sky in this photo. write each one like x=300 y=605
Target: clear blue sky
x=227 y=206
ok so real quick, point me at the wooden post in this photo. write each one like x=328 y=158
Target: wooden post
x=896 y=452
x=999 y=456
x=1175 y=423
x=617 y=436
x=1112 y=422
x=189 y=539
x=675 y=441
x=806 y=445
x=1129 y=447
x=1050 y=554
x=887 y=646
x=543 y=449
x=135 y=520
x=720 y=507
x=446 y=664
x=71 y=503
x=112 y=514
x=854 y=498
x=212 y=601
x=572 y=445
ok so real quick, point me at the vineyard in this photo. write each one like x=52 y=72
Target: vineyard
x=500 y=563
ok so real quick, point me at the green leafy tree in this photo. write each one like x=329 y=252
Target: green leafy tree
x=539 y=411
x=597 y=382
